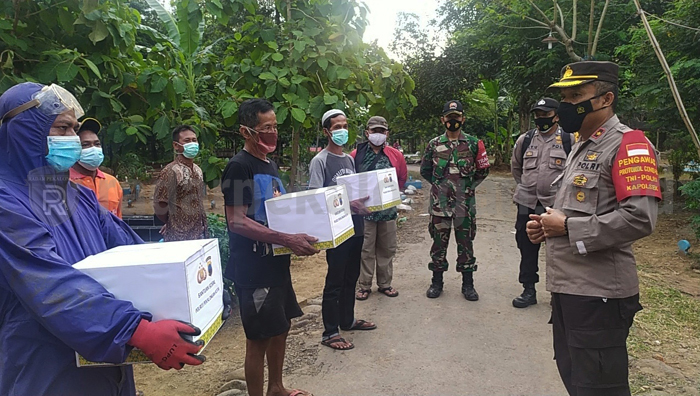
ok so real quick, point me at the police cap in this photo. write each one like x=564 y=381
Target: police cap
x=585 y=72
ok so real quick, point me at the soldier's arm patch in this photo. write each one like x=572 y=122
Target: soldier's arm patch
x=482 y=159
x=635 y=171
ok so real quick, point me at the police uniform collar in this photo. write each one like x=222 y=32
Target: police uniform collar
x=548 y=138
x=444 y=138
x=608 y=125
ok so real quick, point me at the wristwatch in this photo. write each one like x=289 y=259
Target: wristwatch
x=566 y=225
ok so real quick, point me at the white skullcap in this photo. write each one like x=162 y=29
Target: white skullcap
x=331 y=113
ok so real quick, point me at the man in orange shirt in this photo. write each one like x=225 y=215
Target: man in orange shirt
x=87 y=173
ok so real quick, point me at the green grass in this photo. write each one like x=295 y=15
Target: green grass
x=639 y=383
x=670 y=317
x=415 y=175
x=668 y=314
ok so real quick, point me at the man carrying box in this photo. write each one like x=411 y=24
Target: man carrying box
x=338 y=306
x=263 y=282
x=49 y=309
x=379 y=245
x=454 y=163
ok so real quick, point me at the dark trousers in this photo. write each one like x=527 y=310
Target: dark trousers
x=529 y=252
x=590 y=343
x=338 y=306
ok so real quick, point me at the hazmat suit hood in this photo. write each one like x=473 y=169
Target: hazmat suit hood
x=48 y=309
x=23 y=145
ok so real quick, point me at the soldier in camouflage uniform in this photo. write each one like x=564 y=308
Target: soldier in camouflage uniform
x=454 y=163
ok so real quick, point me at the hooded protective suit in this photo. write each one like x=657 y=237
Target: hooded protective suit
x=48 y=309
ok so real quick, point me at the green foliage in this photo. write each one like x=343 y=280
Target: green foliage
x=141 y=75
x=501 y=40
x=682 y=151
x=219 y=229
x=212 y=167
x=131 y=168
x=691 y=192
x=651 y=102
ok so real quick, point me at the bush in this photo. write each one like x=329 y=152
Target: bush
x=132 y=168
x=691 y=192
x=219 y=229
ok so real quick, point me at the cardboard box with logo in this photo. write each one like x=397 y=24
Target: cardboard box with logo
x=170 y=280
x=323 y=213
x=382 y=187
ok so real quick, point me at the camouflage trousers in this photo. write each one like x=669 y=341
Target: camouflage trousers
x=465 y=231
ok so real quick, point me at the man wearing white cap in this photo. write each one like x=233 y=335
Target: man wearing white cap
x=338 y=306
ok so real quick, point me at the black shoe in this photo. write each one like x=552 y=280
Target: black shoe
x=468 y=286
x=529 y=297
x=470 y=293
x=434 y=290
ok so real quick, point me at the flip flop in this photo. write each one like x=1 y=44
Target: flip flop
x=362 y=295
x=361 y=325
x=389 y=291
x=331 y=343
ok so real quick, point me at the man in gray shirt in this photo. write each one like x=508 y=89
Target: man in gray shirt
x=338 y=306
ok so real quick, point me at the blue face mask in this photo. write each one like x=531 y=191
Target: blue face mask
x=190 y=149
x=339 y=136
x=64 y=152
x=91 y=158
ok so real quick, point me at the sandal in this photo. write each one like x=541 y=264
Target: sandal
x=388 y=291
x=299 y=392
x=333 y=344
x=362 y=325
x=362 y=294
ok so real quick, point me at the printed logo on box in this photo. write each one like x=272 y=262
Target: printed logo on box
x=201 y=274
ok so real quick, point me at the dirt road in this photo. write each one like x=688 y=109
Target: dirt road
x=447 y=346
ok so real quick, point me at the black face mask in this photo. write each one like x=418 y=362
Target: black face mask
x=543 y=124
x=453 y=125
x=571 y=115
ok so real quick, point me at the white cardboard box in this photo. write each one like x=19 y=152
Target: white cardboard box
x=382 y=187
x=170 y=280
x=323 y=213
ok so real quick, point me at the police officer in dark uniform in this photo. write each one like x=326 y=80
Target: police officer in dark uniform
x=607 y=199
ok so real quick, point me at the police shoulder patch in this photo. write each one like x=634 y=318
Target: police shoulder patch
x=635 y=171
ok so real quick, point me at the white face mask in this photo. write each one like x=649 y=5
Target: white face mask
x=377 y=139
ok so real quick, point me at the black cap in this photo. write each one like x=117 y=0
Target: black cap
x=90 y=124
x=585 y=72
x=545 y=104
x=453 y=106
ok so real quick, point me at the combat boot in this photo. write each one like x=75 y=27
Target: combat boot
x=468 y=287
x=529 y=296
x=435 y=288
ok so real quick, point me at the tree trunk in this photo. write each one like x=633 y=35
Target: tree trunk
x=295 y=131
x=524 y=114
x=497 y=134
x=295 y=160
x=509 y=139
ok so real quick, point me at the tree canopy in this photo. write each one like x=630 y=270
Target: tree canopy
x=503 y=42
x=142 y=69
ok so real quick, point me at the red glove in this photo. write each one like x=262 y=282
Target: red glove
x=162 y=342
